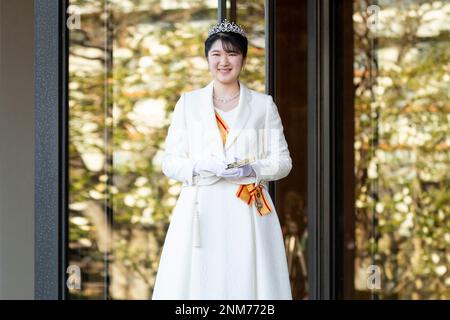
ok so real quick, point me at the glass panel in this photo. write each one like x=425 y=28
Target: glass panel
x=401 y=76
x=291 y=99
x=127 y=59
x=250 y=14
x=88 y=228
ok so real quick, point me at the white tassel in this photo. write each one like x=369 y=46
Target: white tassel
x=196 y=222
x=196 y=230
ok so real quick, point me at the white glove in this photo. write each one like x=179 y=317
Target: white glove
x=234 y=173
x=210 y=165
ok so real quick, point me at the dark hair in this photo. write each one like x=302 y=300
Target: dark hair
x=231 y=41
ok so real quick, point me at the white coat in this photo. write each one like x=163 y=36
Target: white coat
x=217 y=246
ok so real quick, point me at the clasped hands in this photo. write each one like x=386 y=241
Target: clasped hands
x=219 y=168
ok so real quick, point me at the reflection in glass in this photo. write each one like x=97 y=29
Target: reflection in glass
x=250 y=14
x=401 y=76
x=125 y=64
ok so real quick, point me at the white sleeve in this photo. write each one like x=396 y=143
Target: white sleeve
x=176 y=163
x=277 y=162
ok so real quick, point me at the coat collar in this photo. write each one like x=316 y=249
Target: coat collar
x=209 y=118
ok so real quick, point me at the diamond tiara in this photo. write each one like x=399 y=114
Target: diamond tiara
x=226 y=26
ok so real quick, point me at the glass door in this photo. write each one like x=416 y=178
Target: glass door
x=127 y=63
x=127 y=59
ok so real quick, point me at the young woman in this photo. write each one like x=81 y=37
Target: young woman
x=225 y=142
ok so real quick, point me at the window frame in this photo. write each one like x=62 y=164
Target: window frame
x=330 y=148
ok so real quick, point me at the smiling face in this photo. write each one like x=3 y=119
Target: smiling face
x=224 y=65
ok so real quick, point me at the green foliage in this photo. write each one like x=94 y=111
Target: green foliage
x=402 y=152
x=128 y=66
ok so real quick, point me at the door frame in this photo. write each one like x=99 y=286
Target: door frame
x=330 y=149
x=51 y=127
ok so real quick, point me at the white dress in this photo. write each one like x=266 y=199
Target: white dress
x=228 y=116
x=242 y=254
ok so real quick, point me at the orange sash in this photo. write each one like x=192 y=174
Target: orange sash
x=248 y=193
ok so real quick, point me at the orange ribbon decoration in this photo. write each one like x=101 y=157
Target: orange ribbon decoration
x=223 y=127
x=248 y=193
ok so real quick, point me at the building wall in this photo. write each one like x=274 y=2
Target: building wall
x=16 y=149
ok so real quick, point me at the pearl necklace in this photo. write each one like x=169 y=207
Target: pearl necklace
x=224 y=100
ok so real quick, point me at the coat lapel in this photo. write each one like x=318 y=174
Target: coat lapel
x=209 y=119
x=243 y=113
